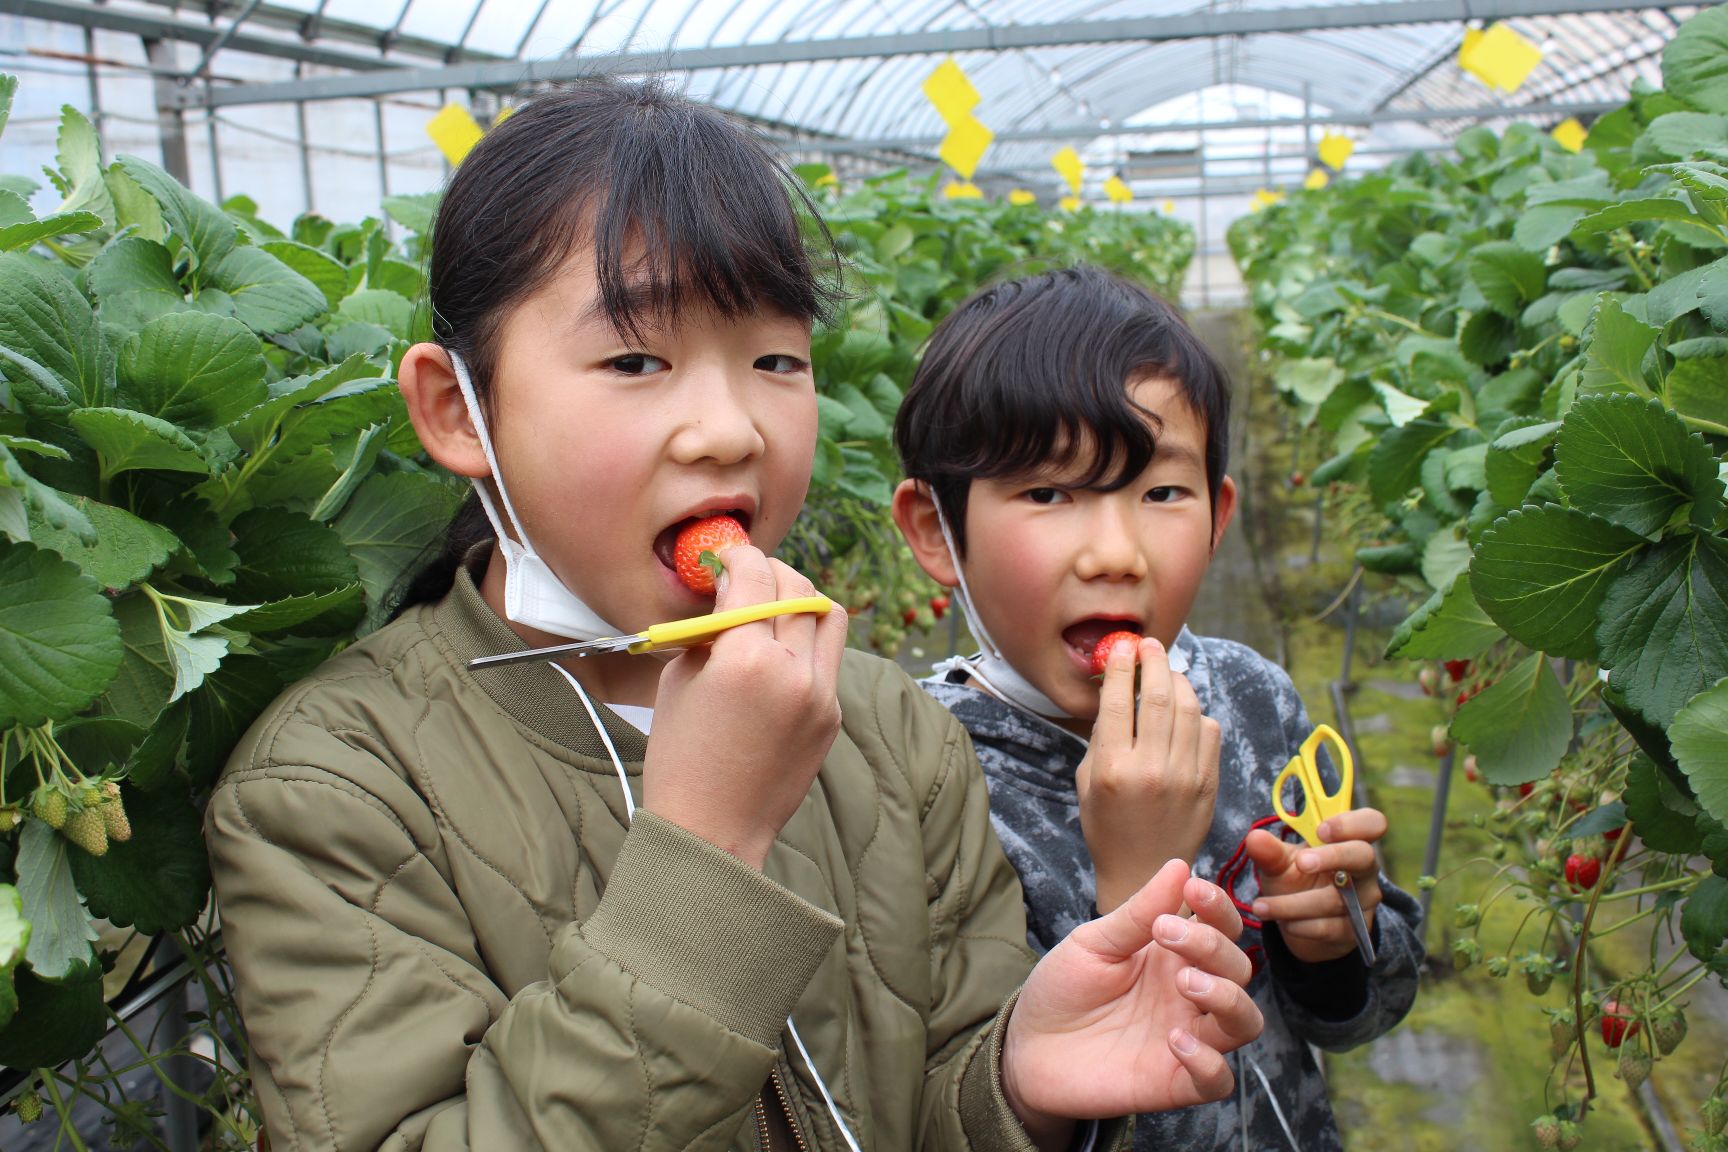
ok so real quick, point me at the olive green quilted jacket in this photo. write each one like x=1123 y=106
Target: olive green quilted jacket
x=447 y=935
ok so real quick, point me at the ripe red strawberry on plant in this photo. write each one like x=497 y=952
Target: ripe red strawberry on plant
x=939 y=605
x=1617 y=1025
x=1457 y=669
x=695 y=554
x=1101 y=650
x=1582 y=872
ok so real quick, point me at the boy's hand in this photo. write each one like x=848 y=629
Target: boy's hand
x=1296 y=888
x=1132 y=1012
x=741 y=725
x=1147 y=784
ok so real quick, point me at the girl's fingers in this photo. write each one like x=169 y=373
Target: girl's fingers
x=748 y=579
x=1208 y=1070
x=1204 y=947
x=1115 y=724
x=796 y=630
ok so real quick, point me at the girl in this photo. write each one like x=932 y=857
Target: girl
x=487 y=909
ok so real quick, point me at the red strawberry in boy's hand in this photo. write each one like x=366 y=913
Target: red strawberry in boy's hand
x=695 y=555
x=1101 y=650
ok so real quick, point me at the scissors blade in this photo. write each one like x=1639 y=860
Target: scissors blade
x=579 y=648
x=1358 y=922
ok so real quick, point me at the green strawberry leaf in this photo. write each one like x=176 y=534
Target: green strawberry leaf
x=57 y=1020
x=268 y=295
x=1713 y=294
x=159 y=880
x=133 y=281
x=79 y=155
x=285 y=554
x=1614 y=355
x=1516 y=457
x=45 y=321
x=14 y=938
x=1666 y=818
x=1450 y=626
x=321 y=269
x=1633 y=462
x=125 y=441
x=1445 y=556
x=297 y=611
x=388 y=310
x=193 y=369
x=1509 y=277
x=414 y=212
x=141 y=688
x=124 y=550
x=1520 y=725
x=389 y=525
x=1310 y=381
x=1540 y=573
x=1664 y=625
x=60 y=929
x=1697 y=389
x=30 y=495
x=59 y=644
x=1699 y=739
x=1704 y=921
x=199 y=225
x=1634 y=212
x=134 y=209
x=1695 y=62
x=222 y=709
x=27 y=234
x=1395 y=463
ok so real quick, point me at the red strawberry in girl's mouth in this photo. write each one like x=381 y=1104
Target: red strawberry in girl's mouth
x=696 y=552
x=1106 y=644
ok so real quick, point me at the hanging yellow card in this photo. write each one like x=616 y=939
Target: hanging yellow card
x=1019 y=197
x=1067 y=164
x=950 y=91
x=966 y=191
x=1570 y=134
x=1499 y=57
x=455 y=131
x=1070 y=203
x=1117 y=189
x=1335 y=150
x=964 y=145
x=1317 y=179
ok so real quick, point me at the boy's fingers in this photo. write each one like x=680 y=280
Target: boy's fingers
x=1269 y=853
x=1211 y=741
x=1232 y=1018
x=1115 y=724
x=1185 y=724
x=1353 y=856
x=1357 y=824
x=1323 y=903
x=1157 y=701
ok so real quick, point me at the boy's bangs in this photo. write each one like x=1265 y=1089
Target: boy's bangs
x=1040 y=434
x=698 y=214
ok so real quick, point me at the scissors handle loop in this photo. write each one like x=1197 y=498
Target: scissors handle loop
x=1317 y=803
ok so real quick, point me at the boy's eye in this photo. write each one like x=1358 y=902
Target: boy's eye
x=780 y=363
x=1162 y=494
x=1046 y=495
x=636 y=364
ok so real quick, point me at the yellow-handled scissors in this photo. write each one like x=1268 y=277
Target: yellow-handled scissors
x=1319 y=805
x=674 y=634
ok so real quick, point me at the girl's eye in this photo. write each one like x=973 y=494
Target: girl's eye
x=1162 y=494
x=1046 y=495
x=781 y=363
x=637 y=364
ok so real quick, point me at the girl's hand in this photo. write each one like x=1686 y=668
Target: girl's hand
x=741 y=725
x=1147 y=784
x=1296 y=888
x=1133 y=1011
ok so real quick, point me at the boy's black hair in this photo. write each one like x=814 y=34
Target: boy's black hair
x=1033 y=373
x=682 y=205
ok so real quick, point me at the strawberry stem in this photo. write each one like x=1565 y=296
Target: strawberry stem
x=711 y=562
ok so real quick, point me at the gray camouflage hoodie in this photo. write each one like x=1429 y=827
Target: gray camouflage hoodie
x=1030 y=766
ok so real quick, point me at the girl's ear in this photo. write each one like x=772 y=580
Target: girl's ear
x=440 y=417
x=915 y=513
x=1223 y=509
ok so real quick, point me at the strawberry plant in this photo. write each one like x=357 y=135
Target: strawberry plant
x=1515 y=366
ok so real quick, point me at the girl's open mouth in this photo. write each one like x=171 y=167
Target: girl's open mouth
x=665 y=542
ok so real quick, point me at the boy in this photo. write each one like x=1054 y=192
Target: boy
x=1064 y=443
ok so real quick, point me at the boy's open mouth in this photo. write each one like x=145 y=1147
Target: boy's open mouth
x=1083 y=637
x=667 y=540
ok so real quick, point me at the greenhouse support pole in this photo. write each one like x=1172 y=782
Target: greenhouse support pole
x=180 y=1117
x=95 y=86
x=215 y=156
x=383 y=164
x=1200 y=246
x=305 y=149
x=170 y=120
x=1437 y=826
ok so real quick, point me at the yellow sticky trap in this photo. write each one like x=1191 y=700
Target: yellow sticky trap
x=1335 y=150
x=1019 y=197
x=1265 y=198
x=966 y=191
x=455 y=131
x=950 y=91
x=1070 y=203
x=1117 y=189
x=1499 y=57
x=1570 y=134
x=1169 y=206
x=964 y=145
x=1317 y=179
x=1067 y=164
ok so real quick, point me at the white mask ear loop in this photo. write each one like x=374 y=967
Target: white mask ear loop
x=470 y=401
x=629 y=817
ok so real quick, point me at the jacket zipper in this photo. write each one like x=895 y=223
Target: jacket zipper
x=786 y=1107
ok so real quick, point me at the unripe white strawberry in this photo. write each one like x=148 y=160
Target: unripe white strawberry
x=85 y=829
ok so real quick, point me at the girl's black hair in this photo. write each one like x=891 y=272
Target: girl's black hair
x=681 y=205
x=1033 y=373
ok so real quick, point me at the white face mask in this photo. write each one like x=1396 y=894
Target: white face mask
x=990 y=668
x=534 y=596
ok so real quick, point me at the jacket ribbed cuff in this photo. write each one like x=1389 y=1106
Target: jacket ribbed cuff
x=700 y=925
